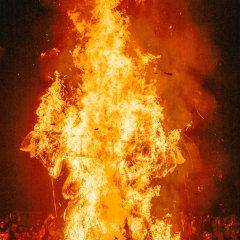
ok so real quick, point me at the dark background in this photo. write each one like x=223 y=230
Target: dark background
x=26 y=30
x=25 y=33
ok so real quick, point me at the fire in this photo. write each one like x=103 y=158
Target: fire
x=107 y=132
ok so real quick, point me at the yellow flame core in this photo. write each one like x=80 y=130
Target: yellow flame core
x=107 y=132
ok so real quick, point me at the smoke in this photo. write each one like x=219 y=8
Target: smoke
x=188 y=58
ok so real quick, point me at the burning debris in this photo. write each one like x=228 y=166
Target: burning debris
x=168 y=73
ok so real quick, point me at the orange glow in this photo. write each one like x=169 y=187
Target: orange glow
x=107 y=130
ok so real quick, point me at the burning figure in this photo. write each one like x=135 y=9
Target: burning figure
x=107 y=132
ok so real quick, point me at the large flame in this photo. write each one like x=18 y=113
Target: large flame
x=107 y=132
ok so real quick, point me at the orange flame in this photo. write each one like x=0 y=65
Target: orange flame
x=108 y=132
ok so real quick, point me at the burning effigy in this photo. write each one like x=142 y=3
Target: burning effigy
x=106 y=128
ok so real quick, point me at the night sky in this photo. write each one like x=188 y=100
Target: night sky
x=26 y=30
